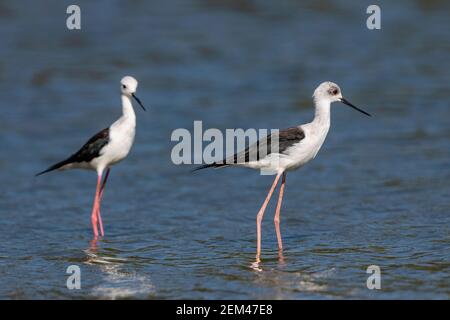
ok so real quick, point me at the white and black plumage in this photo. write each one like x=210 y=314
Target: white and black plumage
x=83 y=157
x=106 y=148
x=287 y=150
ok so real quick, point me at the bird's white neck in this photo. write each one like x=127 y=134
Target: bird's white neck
x=322 y=113
x=127 y=108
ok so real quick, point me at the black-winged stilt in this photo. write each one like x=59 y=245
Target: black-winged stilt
x=294 y=147
x=106 y=148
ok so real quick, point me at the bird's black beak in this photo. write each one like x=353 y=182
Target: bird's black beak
x=354 y=107
x=138 y=101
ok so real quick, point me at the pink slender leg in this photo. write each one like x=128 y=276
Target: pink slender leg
x=94 y=217
x=260 y=215
x=101 y=196
x=276 y=219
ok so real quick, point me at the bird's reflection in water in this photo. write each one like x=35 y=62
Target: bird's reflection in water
x=120 y=277
x=282 y=283
x=256 y=265
x=93 y=248
x=94 y=255
x=281 y=261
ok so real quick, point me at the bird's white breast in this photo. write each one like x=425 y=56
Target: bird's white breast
x=121 y=138
x=306 y=150
x=298 y=154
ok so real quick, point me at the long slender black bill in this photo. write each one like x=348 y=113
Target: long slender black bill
x=138 y=101
x=354 y=107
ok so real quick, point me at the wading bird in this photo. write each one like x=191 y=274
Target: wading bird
x=106 y=148
x=287 y=150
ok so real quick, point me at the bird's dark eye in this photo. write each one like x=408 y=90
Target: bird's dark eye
x=334 y=91
x=124 y=86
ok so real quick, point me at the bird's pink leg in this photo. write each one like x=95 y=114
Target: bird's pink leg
x=94 y=216
x=102 y=189
x=276 y=219
x=260 y=215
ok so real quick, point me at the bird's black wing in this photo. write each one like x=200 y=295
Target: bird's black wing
x=92 y=148
x=262 y=148
x=88 y=151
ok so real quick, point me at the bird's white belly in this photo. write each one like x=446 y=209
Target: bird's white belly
x=121 y=141
x=307 y=149
x=294 y=157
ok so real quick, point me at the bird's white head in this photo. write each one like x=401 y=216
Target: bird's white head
x=327 y=91
x=128 y=86
x=330 y=92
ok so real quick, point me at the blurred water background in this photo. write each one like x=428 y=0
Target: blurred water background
x=377 y=194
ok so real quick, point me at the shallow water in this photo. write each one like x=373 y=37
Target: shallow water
x=377 y=194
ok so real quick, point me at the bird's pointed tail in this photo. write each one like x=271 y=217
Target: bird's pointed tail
x=56 y=166
x=211 y=165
